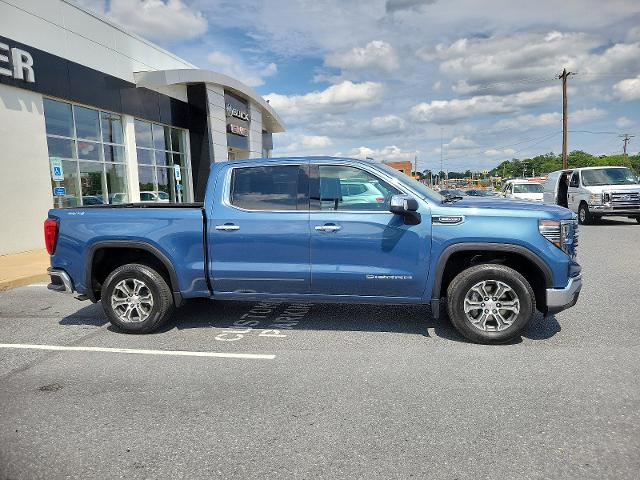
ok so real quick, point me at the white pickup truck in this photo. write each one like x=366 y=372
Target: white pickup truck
x=595 y=192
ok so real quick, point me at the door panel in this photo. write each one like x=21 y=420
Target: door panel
x=259 y=231
x=360 y=249
x=573 y=196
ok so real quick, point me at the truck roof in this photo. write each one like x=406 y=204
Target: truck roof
x=319 y=158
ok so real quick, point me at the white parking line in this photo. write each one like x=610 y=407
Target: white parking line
x=37 y=285
x=177 y=353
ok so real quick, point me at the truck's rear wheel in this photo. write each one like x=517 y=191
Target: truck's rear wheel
x=137 y=299
x=490 y=303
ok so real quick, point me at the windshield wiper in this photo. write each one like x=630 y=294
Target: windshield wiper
x=451 y=199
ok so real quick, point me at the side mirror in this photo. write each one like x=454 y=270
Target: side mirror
x=403 y=204
x=407 y=207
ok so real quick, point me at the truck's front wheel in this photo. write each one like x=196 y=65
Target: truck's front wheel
x=584 y=216
x=136 y=298
x=490 y=303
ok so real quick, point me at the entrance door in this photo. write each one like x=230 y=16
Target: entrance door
x=259 y=230
x=357 y=246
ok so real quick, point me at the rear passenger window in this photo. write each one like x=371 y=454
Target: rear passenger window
x=265 y=188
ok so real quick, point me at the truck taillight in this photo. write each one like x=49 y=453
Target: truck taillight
x=50 y=234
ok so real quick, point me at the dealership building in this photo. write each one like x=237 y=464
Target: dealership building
x=92 y=114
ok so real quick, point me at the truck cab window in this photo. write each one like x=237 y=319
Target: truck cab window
x=265 y=188
x=575 y=180
x=350 y=188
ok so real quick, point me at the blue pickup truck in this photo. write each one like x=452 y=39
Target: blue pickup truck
x=321 y=229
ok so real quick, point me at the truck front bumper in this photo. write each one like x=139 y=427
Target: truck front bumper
x=606 y=210
x=559 y=299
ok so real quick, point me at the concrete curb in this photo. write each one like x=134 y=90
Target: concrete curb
x=22 y=281
x=19 y=269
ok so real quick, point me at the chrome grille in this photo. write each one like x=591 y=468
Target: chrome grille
x=624 y=200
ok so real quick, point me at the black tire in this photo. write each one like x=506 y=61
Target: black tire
x=155 y=286
x=462 y=285
x=584 y=216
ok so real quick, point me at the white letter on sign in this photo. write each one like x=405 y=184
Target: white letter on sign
x=22 y=63
x=3 y=58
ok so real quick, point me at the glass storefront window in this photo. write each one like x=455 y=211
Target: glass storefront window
x=90 y=145
x=58 y=118
x=87 y=123
x=111 y=128
x=71 y=198
x=145 y=157
x=61 y=147
x=88 y=150
x=143 y=134
x=113 y=153
x=117 y=183
x=159 y=148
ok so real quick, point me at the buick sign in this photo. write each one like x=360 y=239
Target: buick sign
x=235 y=112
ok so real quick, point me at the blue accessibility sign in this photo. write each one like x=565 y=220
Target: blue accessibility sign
x=59 y=192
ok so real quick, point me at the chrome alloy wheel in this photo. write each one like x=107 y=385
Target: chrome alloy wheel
x=132 y=300
x=491 y=306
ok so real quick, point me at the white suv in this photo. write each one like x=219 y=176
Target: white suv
x=522 y=190
x=595 y=192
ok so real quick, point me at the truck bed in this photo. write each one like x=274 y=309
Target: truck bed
x=172 y=232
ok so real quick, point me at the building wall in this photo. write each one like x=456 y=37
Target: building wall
x=25 y=185
x=63 y=29
x=255 y=131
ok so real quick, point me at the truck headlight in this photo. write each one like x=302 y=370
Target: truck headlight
x=562 y=233
x=595 y=199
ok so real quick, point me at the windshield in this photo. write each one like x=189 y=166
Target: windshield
x=422 y=189
x=608 y=176
x=527 y=188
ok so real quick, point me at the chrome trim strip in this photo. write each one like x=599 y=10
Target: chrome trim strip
x=260 y=279
x=64 y=277
x=563 y=297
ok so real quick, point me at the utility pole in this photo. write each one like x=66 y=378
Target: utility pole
x=564 y=76
x=415 y=165
x=441 y=161
x=626 y=138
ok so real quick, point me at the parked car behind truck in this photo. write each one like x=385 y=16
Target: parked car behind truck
x=595 y=192
x=279 y=229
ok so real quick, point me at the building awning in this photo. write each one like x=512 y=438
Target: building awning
x=159 y=78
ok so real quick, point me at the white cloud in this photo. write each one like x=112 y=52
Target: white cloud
x=529 y=121
x=386 y=154
x=628 y=89
x=460 y=142
x=492 y=152
x=236 y=68
x=376 y=55
x=305 y=144
x=392 y=6
x=446 y=111
x=624 y=122
x=586 y=115
x=336 y=98
x=387 y=124
x=507 y=63
x=158 y=20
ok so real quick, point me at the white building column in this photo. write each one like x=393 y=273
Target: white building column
x=217 y=122
x=255 y=131
x=131 y=158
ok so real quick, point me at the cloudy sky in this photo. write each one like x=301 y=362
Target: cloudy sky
x=389 y=78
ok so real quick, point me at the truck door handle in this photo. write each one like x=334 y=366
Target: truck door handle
x=328 y=227
x=227 y=227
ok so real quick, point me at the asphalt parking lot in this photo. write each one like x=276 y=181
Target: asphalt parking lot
x=327 y=391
